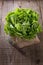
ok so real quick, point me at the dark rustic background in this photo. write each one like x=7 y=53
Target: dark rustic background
x=10 y=55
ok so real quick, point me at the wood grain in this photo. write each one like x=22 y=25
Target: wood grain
x=0 y=15
x=8 y=54
x=41 y=35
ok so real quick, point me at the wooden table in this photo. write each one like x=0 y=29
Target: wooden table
x=10 y=55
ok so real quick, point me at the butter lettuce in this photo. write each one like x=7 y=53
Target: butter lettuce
x=22 y=23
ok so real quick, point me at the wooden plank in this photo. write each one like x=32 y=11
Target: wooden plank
x=36 y=49
x=10 y=5
x=4 y=12
x=3 y=55
x=16 y=4
x=41 y=34
x=5 y=9
x=0 y=9
x=0 y=28
x=9 y=9
x=41 y=10
x=0 y=16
